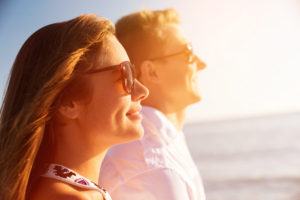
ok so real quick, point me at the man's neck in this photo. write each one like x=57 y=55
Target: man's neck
x=176 y=117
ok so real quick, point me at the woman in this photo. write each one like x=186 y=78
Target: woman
x=71 y=95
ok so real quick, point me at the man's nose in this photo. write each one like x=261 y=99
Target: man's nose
x=200 y=64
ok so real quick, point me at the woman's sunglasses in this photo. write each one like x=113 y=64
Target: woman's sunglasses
x=127 y=71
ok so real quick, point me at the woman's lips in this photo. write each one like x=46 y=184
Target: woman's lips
x=134 y=114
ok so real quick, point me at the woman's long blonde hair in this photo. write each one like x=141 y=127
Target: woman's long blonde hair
x=48 y=65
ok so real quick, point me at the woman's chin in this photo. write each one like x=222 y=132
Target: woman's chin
x=135 y=132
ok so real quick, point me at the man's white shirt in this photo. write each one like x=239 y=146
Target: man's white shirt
x=156 y=167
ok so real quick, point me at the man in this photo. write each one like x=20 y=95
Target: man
x=159 y=165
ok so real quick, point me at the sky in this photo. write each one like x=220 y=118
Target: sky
x=251 y=48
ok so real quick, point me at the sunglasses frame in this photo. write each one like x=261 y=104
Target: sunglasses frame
x=187 y=50
x=125 y=79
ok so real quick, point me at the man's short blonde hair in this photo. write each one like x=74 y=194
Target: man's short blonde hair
x=142 y=34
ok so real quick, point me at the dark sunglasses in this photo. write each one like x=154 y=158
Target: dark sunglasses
x=127 y=71
x=188 y=51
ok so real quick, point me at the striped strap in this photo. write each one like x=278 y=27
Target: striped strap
x=69 y=176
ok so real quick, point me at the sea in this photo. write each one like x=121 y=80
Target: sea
x=254 y=158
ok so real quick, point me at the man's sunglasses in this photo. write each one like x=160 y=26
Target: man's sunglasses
x=127 y=71
x=188 y=51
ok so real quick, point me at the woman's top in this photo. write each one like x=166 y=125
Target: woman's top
x=69 y=176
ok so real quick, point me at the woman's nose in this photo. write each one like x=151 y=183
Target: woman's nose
x=139 y=92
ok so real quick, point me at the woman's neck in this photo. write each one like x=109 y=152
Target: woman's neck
x=72 y=152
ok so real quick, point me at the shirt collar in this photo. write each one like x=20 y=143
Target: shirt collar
x=155 y=123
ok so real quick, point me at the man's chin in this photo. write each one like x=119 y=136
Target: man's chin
x=192 y=99
x=195 y=97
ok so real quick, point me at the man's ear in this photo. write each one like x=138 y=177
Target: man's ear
x=70 y=110
x=148 y=72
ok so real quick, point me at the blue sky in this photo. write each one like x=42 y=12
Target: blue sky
x=20 y=18
x=252 y=48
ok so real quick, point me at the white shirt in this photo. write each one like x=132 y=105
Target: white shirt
x=156 y=167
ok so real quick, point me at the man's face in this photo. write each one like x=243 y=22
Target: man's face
x=178 y=72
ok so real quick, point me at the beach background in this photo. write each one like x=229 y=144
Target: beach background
x=244 y=134
x=254 y=158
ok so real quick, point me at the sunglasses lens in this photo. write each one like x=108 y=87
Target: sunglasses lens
x=128 y=78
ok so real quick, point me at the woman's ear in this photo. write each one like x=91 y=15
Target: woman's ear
x=148 y=72
x=70 y=110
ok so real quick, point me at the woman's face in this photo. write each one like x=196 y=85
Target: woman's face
x=112 y=115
